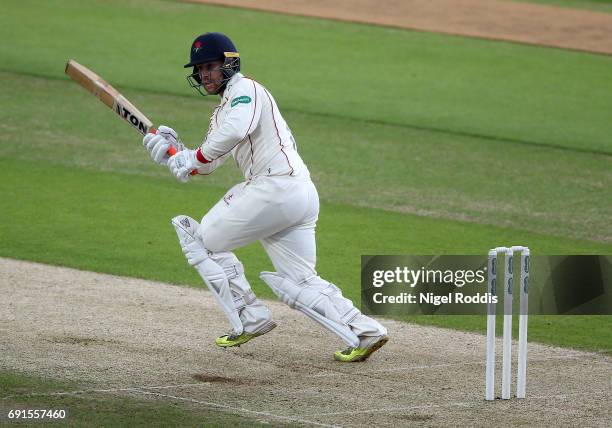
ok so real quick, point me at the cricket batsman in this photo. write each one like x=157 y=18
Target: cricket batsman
x=277 y=205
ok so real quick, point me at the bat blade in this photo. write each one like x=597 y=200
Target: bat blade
x=109 y=96
x=102 y=90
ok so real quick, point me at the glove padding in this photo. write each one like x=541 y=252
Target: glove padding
x=159 y=143
x=182 y=163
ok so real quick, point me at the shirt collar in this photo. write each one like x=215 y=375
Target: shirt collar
x=233 y=80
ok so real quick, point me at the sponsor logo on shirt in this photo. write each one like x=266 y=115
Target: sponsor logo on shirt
x=241 y=100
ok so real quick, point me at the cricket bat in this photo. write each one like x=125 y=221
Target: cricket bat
x=112 y=98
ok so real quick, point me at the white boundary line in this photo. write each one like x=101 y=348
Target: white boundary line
x=144 y=390
x=233 y=409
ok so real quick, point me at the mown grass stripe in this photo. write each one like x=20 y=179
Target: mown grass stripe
x=446 y=131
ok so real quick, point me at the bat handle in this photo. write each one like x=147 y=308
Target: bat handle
x=171 y=150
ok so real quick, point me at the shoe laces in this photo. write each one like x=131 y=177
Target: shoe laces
x=348 y=351
x=232 y=335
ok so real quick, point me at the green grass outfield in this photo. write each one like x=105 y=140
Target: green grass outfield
x=417 y=80
x=419 y=143
x=87 y=407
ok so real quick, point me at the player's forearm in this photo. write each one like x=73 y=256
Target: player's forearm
x=210 y=167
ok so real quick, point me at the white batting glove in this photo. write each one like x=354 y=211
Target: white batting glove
x=159 y=143
x=182 y=163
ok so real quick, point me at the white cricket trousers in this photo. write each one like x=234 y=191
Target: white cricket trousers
x=280 y=212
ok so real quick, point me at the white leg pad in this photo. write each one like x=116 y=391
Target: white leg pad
x=254 y=315
x=214 y=276
x=318 y=299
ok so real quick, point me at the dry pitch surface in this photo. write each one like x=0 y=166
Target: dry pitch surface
x=514 y=21
x=132 y=337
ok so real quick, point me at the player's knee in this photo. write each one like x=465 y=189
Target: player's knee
x=212 y=238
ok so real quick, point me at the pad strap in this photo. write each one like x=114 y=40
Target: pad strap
x=245 y=300
x=234 y=271
x=333 y=291
x=320 y=300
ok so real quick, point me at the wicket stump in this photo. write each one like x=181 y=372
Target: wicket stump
x=507 y=330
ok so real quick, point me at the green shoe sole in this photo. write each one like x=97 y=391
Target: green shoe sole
x=227 y=341
x=353 y=355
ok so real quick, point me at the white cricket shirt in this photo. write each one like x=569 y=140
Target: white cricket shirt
x=248 y=126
